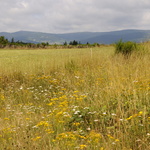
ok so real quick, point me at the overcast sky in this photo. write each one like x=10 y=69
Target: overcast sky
x=64 y=16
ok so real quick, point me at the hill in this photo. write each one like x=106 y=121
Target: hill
x=83 y=37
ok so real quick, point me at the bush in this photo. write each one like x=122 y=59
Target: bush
x=126 y=48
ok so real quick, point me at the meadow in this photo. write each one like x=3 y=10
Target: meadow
x=73 y=99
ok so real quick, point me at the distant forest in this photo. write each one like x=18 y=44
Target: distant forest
x=5 y=43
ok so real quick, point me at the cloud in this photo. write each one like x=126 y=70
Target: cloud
x=63 y=16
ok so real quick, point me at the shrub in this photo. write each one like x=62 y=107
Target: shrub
x=126 y=48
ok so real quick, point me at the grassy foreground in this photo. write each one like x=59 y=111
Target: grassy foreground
x=74 y=99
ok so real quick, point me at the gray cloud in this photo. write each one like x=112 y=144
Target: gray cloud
x=61 y=16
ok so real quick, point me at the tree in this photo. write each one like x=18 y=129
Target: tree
x=65 y=43
x=73 y=42
x=12 y=40
x=3 y=42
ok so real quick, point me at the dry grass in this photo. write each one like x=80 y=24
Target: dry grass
x=74 y=99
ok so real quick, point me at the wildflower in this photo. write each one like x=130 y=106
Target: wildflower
x=63 y=104
x=79 y=99
x=61 y=121
x=140 y=113
x=49 y=131
x=64 y=97
x=53 y=140
x=66 y=114
x=96 y=120
x=76 y=112
x=59 y=113
x=77 y=77
x=135 y=115
x=2 y=97
x=82 y=146
x=67 y=135
x=111 y=137
x=37 y=138
x=104 y=113
x=129 y=118
x=82 y=137
x=113 y=114
x=43 y=123
x=50 y=104
x=54 y=99
x=34 y=127
x=141 y=125
x=121 y=119
x=75 y=91
x=83 y=96
x=88 y=128
x=76 y=124
x=21 y=87
x=116 y=140
x=6 y=119
x=86 y=108
x=148 y=134
x=94 y=137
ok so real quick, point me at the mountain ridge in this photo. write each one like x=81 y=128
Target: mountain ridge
x=84 y=37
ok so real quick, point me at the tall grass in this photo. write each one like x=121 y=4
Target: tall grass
x=74 y=99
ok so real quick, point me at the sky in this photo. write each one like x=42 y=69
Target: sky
x=66 y=16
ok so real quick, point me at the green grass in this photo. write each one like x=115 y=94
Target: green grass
x=32 y=60
x=74 y=99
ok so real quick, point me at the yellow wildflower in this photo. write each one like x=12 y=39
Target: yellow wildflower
x=50 y=104
x=76 y=124
x=59 y=113
x=37 y=138
x=135 y=115
x=54 y=99
x=43 y=123
x=61 y=121
x=6 y=119
x=129 y=118
x=111 y=137
x=140 y=113
x=117 y=140
x=82 y=146
x=75 y=91
x=94 y=137
x=63 y=104
x=49 y=131
x=79 y=99
x=82 y=137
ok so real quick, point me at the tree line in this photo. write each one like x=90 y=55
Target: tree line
x=5 y=43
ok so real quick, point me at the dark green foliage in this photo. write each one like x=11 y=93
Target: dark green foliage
x=3 y=42
x=73 y=42
x=126 y=48
x=65 y=43
x=12 y=40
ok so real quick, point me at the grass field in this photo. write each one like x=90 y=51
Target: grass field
x=73 y=99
